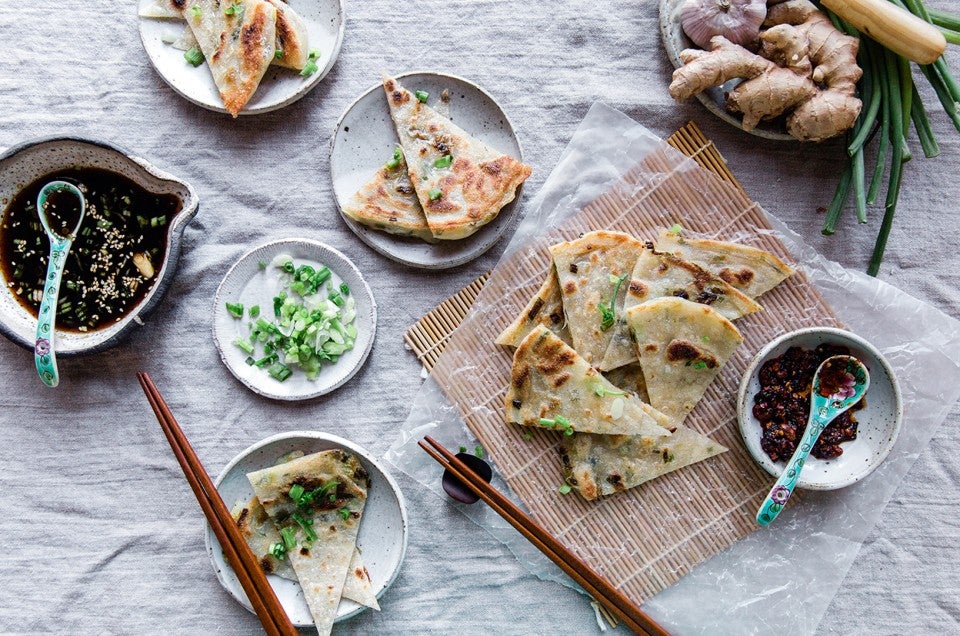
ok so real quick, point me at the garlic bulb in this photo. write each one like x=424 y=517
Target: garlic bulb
x=737 y=20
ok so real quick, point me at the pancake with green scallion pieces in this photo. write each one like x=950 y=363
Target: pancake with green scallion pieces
x=461 y=182
x=317 y=504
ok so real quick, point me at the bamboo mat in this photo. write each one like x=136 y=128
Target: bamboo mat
x=647 y=538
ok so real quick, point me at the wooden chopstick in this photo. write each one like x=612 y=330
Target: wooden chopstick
x=254 y=582
x=595 y=585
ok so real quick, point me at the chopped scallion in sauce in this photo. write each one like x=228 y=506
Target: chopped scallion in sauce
x=115 y=255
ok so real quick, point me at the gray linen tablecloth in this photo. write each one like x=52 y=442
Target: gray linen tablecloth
x=101 y=533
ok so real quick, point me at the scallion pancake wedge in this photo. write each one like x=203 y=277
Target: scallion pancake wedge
x=238 y=46
x=751 y=270
x=292 y=48
x=461 y=182
x=261 y=535
x=553 y=387
x=682 y=345
x=164 y=9
x=389 y=203
x=591 y=269
x=325 y=530
x=545 y=308
x=660 y=275
x=600 y=465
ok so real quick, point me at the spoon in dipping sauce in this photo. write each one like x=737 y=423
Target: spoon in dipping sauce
x=838 y=384
x=61 y=207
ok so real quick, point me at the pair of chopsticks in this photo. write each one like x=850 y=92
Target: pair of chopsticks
x=596 y=586
x=265 y=603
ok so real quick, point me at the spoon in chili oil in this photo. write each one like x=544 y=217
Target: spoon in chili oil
x=839 y=383
x=61 y=208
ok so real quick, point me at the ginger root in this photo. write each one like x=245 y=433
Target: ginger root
x=805 y=67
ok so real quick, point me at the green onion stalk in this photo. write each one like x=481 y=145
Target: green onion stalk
x=891 y=103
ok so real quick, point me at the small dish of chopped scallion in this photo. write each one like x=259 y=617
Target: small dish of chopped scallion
x=294 y=319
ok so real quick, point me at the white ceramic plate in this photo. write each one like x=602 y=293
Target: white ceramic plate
x=383 y=531
x=715 y=98
x=879 y=422
x=280 y=86
x=250 y=285
x=365 y=138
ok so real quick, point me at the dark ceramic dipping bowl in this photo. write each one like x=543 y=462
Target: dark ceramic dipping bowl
x=27 y=162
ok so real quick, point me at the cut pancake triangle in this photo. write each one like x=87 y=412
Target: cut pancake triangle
x=682 y=345
x=753 y=271
x=321 y=556
x=238 y=47
x=545 y=308
x=261 y=534
x=552 y=387
x=461 y=182
x=292 y=38
x=388 y=202
x=659 y=275
x=590 y=270
x=601 y=465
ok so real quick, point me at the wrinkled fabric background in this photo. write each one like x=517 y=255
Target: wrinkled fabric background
x=101 y=534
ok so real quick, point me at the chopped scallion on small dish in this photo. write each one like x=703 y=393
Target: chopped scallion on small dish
x=313 y=322
x=397 y=159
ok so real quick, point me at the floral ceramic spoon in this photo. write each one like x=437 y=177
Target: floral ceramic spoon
x=61 y=207
x=838 y=384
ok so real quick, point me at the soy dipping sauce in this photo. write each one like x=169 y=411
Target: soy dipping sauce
x=115 y=255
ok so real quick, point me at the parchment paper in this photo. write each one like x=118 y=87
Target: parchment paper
x=782 y=578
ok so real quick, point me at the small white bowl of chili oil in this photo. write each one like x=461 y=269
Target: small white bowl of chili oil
x=774 y=401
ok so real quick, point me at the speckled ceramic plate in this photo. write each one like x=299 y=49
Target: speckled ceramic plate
x=279 y=87
x=365 y=138
x=383 y=531
x=879 y=422
x=249 y=284
x=715 y=99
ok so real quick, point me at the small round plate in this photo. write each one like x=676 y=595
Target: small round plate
x=364 y=140
x=879 y=422
x=279 y=87
x=714 y=98
x=250 y=285
x=383 y=531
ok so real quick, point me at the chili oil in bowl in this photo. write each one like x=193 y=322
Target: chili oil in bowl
x=774 y=402
x=123 y=257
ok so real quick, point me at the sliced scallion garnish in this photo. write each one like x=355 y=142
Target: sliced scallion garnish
x=289 y=537
x=397 y=159
x=423 y=96
x=278 y=550
x=193 y=56
x=435 y=193
x=443 y=162
x=311 y=66
x=305 y=526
